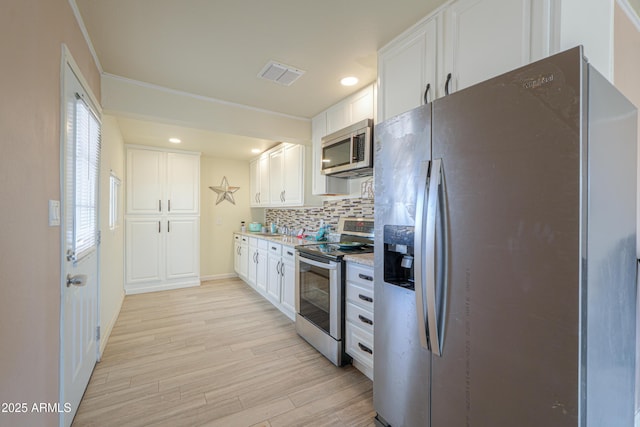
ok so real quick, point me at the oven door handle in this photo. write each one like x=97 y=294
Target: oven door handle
x=329 y=266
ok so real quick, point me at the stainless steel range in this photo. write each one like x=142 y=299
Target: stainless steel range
x=320 y=287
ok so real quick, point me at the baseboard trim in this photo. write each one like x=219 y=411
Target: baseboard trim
x=142 y=289
x=105 y=332
x=218 y=277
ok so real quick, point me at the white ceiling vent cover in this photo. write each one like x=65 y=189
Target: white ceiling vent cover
x=280 y=73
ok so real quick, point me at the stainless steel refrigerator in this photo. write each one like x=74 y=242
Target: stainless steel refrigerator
x=505 y=256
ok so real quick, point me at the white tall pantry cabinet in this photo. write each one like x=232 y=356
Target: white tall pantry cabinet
x=162 y=223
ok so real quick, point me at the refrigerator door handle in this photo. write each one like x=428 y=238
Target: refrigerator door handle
x=418 y=245
x=430 y=256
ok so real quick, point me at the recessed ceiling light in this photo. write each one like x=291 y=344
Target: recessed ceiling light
x=174 y=140
x=349 y=81
x=255 y=150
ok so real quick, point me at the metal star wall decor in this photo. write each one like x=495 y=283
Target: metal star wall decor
x=225 y=191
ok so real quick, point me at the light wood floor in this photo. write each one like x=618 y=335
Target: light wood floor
x=217 y=355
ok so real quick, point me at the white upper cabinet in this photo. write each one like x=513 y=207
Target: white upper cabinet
x=162 y=182
x=183 y=183
x=464 y=43
x=356 y=107
x=350 y=110
x=145 y=181
x=277 y=177
x=485 y=38
x=293 y=175
x=259 y=181
x=407 y=70
x=276 y=166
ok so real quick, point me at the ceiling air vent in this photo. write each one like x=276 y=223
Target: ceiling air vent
x=280 y=73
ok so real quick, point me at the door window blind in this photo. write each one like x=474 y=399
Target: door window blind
x=87 y=165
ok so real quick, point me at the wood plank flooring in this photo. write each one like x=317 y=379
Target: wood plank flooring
x=217 y=355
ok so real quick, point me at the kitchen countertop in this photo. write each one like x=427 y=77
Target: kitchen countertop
x=364 y=259
x=284 y=240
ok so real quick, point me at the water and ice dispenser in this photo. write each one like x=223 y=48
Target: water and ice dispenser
x=398 y=255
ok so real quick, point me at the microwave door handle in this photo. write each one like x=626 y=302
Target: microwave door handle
x=419 y=255
x=352 y=144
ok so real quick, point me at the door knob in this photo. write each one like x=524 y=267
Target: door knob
x=77 y=280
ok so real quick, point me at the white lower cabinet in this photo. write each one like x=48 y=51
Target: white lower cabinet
x=162 y=253
x=262 y=266
x=257 y=264
x=359 y=316
x=252 y=262
x=241 y=255
x=288 y=295
x=281 y=278
x=270 y=270
x=274 y=260
x=183 y=248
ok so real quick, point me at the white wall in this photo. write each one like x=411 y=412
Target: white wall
x=112 y=243
x=32 y=33
x=218 y=222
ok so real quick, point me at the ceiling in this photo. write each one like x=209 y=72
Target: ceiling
x=216 y=48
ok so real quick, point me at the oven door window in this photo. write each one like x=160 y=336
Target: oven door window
x=337 y=154
x=315 y=295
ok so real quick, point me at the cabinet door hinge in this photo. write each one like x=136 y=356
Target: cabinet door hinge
x=98 y=333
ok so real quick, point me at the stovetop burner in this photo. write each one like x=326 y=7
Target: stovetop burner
x=356 y=237
x=336 y=250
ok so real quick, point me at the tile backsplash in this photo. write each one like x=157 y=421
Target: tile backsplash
x=330 y=213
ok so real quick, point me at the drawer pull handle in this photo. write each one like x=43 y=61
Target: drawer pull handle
x=365 y=348
x=365 y=298
x=365 y=277
x=365 y=320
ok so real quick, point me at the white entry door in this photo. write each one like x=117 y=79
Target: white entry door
x=80 y=243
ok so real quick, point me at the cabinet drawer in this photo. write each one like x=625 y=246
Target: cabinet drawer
x=263 y=244
x=359 y=344
x=360 y=274
x=275 y=248
x=360 y=295
x=237 y=237
x=288 y=253
x=359 y=316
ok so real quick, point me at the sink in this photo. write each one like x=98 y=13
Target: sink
x=267 y=234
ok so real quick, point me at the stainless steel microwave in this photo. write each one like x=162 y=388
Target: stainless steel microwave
x=349 y=152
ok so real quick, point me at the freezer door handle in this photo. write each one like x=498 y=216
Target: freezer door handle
x=418 y=246
x=430 y=257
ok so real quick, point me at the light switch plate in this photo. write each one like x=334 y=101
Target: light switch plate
x=54 y=213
